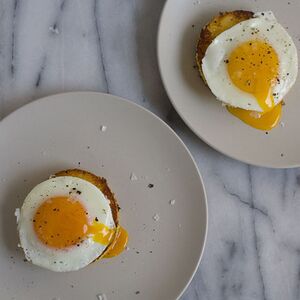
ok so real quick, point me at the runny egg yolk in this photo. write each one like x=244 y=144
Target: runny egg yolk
x=262 y=121
x=61 y=222
x=253 y=68
x=119 y=243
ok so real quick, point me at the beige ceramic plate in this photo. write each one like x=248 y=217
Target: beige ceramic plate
x=180 y=26
x=63 y=131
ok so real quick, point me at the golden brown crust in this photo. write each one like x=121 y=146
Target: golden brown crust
x=217 y=25
x=100 y=183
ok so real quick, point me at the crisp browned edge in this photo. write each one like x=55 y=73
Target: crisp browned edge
x=207 y=36
x=101 y=184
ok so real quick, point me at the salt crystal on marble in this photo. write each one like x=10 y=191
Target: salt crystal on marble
x=172 y=202
x=282 y=124
x=127 y=248
x=103 y=128
x=133 y=177
x=156 y=217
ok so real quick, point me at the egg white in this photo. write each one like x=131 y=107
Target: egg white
x=72 y=258
x=215 y=69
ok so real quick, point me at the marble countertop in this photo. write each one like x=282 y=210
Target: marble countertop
x=52 y=46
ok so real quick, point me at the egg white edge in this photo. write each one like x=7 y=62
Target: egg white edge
x=73 y=258
x=210 y=59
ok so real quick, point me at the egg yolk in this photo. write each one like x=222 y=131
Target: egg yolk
x=118 y=245
x=61 y=222
x=253 y=68
x=262 y=121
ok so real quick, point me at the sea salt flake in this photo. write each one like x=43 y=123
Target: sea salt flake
x=101 y=297
x=172 y=202
x=54 y=29
x=103 y=128
x=133 y=177
x=17 y=214
x=156 y=217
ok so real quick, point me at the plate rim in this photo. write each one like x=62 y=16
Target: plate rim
x=186 y=121
x=129 y=102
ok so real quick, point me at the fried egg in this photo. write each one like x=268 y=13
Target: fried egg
x=65 y=223
x=251 y=67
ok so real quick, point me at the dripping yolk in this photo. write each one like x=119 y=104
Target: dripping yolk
x=61 y=222
x=253 y=68
x=261 y=121
x=119 y=243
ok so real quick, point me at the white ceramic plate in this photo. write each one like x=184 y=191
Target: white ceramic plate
x=63 y=131
x=180 y=25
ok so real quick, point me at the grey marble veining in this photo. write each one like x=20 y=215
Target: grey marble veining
x=51 y=46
